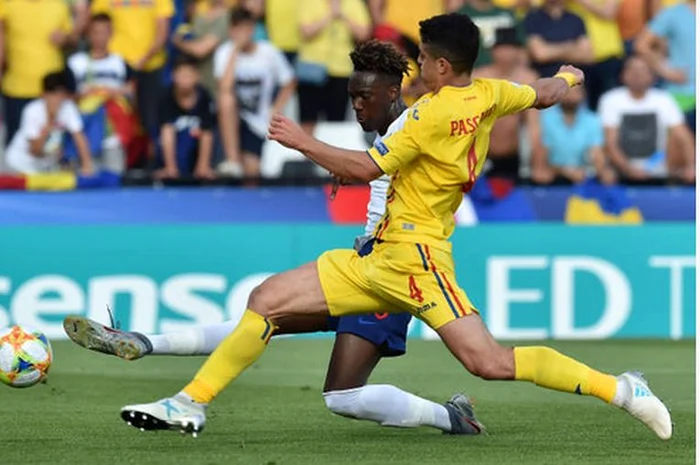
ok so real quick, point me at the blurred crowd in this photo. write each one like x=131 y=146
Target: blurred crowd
x=185 y=89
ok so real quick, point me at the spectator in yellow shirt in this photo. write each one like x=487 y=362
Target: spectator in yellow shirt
x=34 y=34
x=140 y=35
x=600 y=18
x=329 y=30
x=404 y=16
x=283 y=27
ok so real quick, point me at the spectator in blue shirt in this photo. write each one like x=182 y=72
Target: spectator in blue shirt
x=186 y=119
x=556 y=37
x=675 y=27
x=572 y=136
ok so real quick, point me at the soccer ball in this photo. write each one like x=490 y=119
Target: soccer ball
x=25 y=356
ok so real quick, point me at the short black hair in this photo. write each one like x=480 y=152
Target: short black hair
x=453 y=37
x=101 y=18
x=56 y=81
x=382 y=58
x=184 y=59
x=240 y=15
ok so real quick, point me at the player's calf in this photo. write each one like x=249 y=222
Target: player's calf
x=472 y=344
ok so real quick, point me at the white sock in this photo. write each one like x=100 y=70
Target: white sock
x=623 y=393
x=201 y=340
x=388 y=406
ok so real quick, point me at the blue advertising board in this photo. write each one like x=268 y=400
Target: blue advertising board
x=530 y=281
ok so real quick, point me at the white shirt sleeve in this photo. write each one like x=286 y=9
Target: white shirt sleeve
x=33 y=120
x=670 y=111
x=380 y=186
x=221 y=57
x=377 y=203
x=283 y=70
x=73 y=65
x=608 y=108
x=69 y=117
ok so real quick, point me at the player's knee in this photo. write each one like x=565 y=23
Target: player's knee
x=344 y=403
x=261 y=300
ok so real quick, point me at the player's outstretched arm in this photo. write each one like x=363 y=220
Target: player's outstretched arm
x=550 y=91
x=352 y=165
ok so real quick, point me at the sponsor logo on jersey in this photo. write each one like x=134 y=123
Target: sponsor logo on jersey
x=425 y=308
x=381 y=148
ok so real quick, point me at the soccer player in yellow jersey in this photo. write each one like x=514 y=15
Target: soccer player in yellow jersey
x=433 y=160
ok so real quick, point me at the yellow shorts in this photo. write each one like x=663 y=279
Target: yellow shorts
x=403 y=276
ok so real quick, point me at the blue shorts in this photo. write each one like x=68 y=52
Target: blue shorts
x=385 y=330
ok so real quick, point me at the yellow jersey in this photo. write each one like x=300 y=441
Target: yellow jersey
x=30 y=55
x=134 y=24
x=437 y=156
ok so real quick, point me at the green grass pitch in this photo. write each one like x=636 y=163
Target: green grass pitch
x=275 y=414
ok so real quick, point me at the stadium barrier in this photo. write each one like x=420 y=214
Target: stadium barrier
x=530 y=281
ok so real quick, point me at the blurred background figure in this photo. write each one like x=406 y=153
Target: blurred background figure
x=37 y=146
x=329 y=30
x=140 y=37
x=505 y=152
x=282 y=27
x=401 y=17
x=572 y=136
x=186 y=121
x=35 y=33
x=490 y=19
x=257 y=10
x=556 y=36
x=105 y=89
x=674 y=29
x=632 y=17
x=249 y=72
x=599 y=17
x=80 y=12
x=645 y=131
x=208 y=30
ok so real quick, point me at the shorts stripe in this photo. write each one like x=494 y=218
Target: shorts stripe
x=426 y=258
x=422 y=257
x=444 y=292
x=383 y=225
x=453 y=294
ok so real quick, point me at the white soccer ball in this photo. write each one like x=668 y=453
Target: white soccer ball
x=25 y=356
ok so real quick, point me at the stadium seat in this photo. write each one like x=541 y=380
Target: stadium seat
x=346 y=134
x=300 y=170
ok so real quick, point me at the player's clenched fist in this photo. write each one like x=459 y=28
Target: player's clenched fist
x=568 y=69
x=286 y=132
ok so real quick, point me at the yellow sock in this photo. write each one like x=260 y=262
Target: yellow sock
x=548 y=368
x=235 y=353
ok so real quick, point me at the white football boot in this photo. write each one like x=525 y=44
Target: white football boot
x=178 y=413
x=642 y=404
